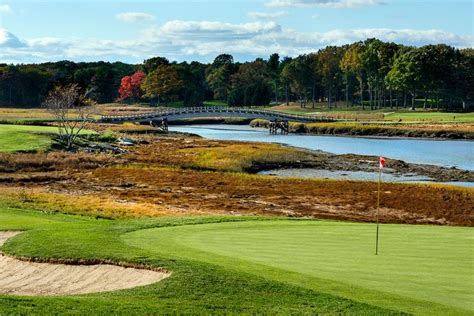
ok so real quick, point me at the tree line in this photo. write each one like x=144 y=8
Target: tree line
x=372 y=74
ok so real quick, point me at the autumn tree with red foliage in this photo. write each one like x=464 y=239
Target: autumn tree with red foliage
x=130 y=86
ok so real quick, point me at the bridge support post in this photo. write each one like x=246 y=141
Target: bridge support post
x=279 y=126
x=272 y=127
x=163 y=125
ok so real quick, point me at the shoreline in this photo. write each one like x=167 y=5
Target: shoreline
x=356 y=163
x=353 y=162
x=357 y=129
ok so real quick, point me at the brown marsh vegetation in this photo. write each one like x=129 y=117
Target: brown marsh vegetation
x=176 y=175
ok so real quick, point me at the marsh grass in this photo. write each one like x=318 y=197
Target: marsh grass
x=370 y=129
x=77 y=203
x=244 y=157
x=52 y=161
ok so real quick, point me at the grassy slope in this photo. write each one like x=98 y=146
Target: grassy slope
x=421 y=269
x=430 y=116
x=25 y=138
x=195 y=287
x=388 y=114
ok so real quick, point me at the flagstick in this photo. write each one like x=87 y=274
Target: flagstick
x=378 y=207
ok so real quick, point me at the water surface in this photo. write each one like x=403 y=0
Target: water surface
x=448 y=153
x=357 y=175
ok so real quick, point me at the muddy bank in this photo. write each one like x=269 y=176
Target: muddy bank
x=350 y=162
x=181 y=148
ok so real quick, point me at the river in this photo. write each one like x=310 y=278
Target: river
x=447 y=153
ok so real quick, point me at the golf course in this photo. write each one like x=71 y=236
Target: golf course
x=273 y=157
x=251 y=264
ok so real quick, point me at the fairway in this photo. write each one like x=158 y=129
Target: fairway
x=25 y=138
x=430 y=116
x=420 y=269
x=15 y=138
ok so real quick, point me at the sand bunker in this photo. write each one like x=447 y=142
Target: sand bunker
x=29 y=278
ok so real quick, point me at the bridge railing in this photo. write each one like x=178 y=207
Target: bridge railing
x=189 y=110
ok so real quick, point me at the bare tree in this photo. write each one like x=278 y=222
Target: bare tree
x=72 y=109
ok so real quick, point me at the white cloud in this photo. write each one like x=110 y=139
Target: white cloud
x=336 y=4
x=7 y=39
x=203 y=40
x=213 y=31
x=267 y=15
x=5 y=8
x=134 y=17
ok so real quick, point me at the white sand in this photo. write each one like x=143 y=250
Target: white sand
x=29 y=278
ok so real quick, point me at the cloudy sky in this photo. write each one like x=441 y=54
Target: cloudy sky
x=130 y=31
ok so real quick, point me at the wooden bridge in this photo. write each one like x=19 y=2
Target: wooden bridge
x=172 y=114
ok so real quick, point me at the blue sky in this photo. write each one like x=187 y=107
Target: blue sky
x=130 y=31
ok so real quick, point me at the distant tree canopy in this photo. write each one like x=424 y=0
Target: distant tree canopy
x=372 y=73
x=28 y=85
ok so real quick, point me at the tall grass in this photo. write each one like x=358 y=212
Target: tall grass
x=244 y=158
x=52 y=161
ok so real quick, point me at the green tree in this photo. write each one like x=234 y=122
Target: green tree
x=351 y=64
x=464 y=76
x=152 y=64
x=406 y=74
x=285 y=77
x=329 y=60
x=163 y=83
x=194 y=88
x=274 y=73
x=251 y=85
x=218 y=75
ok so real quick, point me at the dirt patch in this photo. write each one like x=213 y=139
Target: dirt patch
x=40 y=279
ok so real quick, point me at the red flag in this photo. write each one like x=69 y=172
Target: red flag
x=381 y=162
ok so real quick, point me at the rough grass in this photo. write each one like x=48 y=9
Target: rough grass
x=53 y=161
x=155 y=180
x=21 y=115
x=194 y=287
x=414 y=271
x=91 y=204
x=134 y=191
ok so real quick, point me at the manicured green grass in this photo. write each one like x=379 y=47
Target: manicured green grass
x=388 y=114
x=25 y=138
x=420 y=269
x=215 y=103
x=431 y=116
x=195 y=287
x=253 y=265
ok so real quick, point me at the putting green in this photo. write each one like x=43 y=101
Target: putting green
x=420 y=269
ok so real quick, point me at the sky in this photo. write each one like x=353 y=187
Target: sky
x=33 y=31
